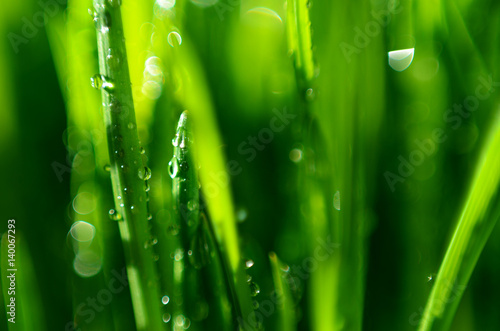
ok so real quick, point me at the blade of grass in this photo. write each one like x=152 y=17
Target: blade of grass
x=183 y=64
x=475 y=224
x=29 y=311
x=127 y=169
x=287 y=320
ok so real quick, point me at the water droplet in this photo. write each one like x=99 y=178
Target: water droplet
x=147 y=188
x=192 y=205
x=166 y=4
x=131 y=126
x=96 y=81
x=101 y=82
x=254 y=289
x=295 y=155
x=134 y=209
x=173 y=167
x=174 y=39
x=241 y=215
x=150 y=217
x=145 y=173
x=401 y=59
x=166 y=318
x=143 y=151
x=114 y=215
x=165 y=299
x=107 y=168
x=175 y=141
x=179 y=254
x=310 y=94
x=249 y=264
x=113 y=58
x=106 y=22
x=336 y=200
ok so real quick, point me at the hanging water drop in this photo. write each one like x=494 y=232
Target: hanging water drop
x=165 y=299
x=401 y=59
x=143 y=151
x=173 y=167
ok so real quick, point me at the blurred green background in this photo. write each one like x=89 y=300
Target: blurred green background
x=353 y=123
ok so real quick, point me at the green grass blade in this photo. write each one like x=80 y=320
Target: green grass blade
x=29 y=311
x=299 y=38
x=285 y=305
x=476 y=222
x=127 y=169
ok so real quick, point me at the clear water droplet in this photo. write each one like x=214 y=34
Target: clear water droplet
x=101 y=82
x=107 y=167
x=165 y=299
x=150 y=217
x=131 y=126
x=173 y=167
x=249 y=264
x=192 y=205
x=401 y=59
x=310 y=94
x=179 y=254
x=254 y=289
x=124 y=168
x=174 y=39
x=166 y=318
x=114 y=215
x=166 y=4
x=96 y=81
x=113 y=58
x=296 y=155
x=134 y=209
x=143 y=151
x=336 y=200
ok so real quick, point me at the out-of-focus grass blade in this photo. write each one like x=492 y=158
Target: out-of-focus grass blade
x=29 y=311
x=299 y=38
x=285 y=304
x=475 y=224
